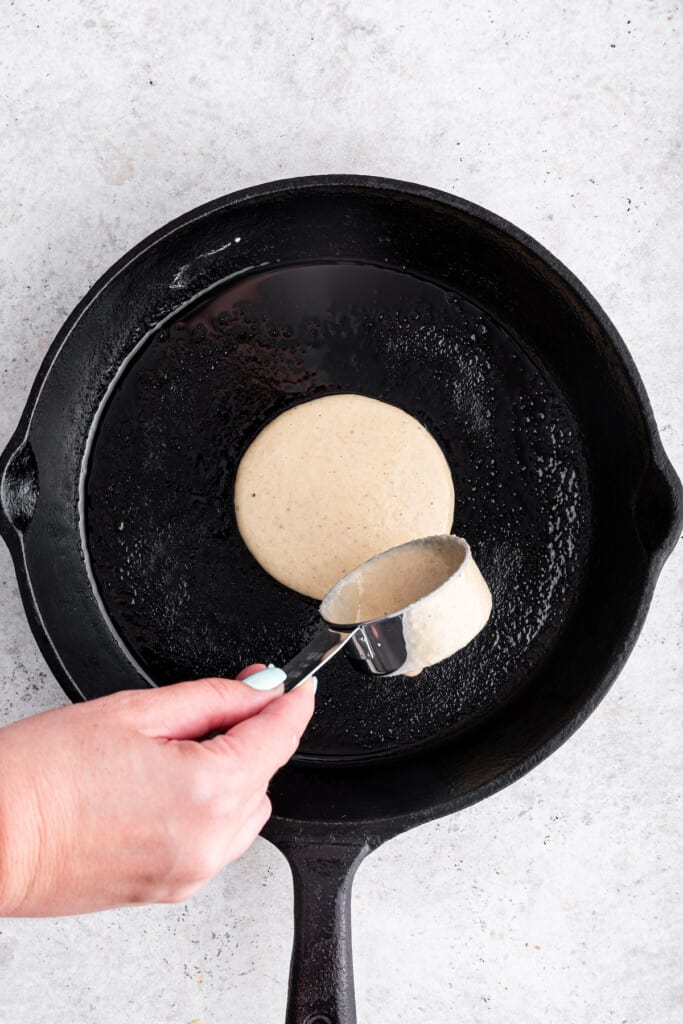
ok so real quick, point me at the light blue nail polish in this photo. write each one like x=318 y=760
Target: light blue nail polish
x=314 y=680
x=266 y=679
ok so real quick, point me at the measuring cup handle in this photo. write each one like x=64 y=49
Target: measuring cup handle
x=325 y=644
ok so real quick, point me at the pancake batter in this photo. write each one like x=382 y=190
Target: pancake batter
x=335 y=481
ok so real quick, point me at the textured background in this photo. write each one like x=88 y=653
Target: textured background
x=558 y=899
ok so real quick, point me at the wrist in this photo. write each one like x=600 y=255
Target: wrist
x=4 y=900
x=7 y=886
x=18 y=849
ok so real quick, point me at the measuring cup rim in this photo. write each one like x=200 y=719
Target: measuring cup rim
x=352 y=626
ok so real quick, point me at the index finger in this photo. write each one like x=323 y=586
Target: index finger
x=266 y=741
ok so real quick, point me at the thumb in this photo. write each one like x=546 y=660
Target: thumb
x=185 y=711
x=266 y=741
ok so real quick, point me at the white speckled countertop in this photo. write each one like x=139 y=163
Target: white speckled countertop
x=558 y=900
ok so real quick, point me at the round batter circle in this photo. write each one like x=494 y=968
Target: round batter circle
x=333 y=482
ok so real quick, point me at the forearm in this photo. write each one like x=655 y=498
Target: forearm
x=5 y=899
x=19 y=838
x=8 y=884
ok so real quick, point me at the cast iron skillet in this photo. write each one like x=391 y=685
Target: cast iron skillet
x=117 y=498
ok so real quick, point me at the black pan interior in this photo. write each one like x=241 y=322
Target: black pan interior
x=179 y=585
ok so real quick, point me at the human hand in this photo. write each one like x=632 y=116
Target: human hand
x=115 y=802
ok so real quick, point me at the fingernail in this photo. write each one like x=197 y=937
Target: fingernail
x=311 y=682
x=266 y=679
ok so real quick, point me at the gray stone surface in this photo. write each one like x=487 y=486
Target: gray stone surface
x=558 y=900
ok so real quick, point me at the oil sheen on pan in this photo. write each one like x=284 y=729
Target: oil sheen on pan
x=178 y=583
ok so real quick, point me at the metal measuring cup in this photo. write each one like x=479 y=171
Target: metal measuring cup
x=438 y=621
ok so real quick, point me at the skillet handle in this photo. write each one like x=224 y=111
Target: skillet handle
x=659 y=507
x=19 y=486
x=321 y=975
